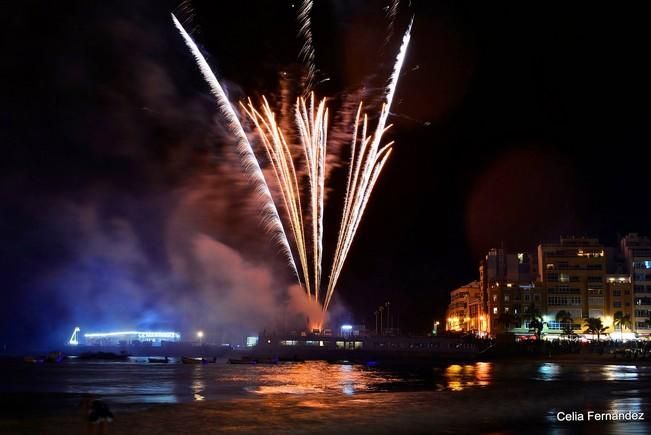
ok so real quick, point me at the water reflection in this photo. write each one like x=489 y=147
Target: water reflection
x=548 y=372
x=198 y=385
x=459 y=377
x=619 y=373
x=315 y=377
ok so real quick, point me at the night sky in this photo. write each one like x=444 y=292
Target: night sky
x=514 y=124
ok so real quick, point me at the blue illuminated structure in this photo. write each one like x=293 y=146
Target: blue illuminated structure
x=126 y=337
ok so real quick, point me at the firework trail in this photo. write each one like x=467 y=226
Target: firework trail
x=280 y=156
x=313 y=130
x=312 y=126
x=392 y=12
x=305 y=32
x=366 y=164
x=271 y=219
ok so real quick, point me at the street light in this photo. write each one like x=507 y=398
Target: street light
x=376 y=330
x=436 y=327
x=200 y=336
x=388 y=305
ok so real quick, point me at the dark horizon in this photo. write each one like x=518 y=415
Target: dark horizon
x=513 y=125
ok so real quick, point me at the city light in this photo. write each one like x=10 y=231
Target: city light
x=200 y=334
x=140 y=334
x=346 y=327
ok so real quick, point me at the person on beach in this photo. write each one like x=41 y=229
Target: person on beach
x=98 y=416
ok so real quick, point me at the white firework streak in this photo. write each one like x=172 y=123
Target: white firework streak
x=307 y=51
x=365 y=167
x=271 y=219
x=313 y=129
x=392 y=11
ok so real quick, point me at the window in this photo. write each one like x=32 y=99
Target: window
x=617 y=292
x=594 y=279
x=564 y=277
x=506 y=298
x=494 y=310
x=564 y=300
x=617 y=304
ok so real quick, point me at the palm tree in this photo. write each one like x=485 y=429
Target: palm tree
x=594 y=326
x=565 y=318
x=536 y=323
x=623 y=321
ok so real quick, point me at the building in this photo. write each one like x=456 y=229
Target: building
x=128 y=338
x=637 y=252
x=464 y=312
x=565 y=283
x=574 y=274
x=509 y=303
x=620 y=291
x=506 y=279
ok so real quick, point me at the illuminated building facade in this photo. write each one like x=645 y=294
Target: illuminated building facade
x=464 y=311
x=574 y=273
x=506 y=287
x=577 y=275
x=121 y=338
x=637 y=251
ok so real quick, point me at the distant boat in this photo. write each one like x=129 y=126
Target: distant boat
x=243 y=360
x=249 y=360
x=104 y=356
x=191 y=360
x=159 y=360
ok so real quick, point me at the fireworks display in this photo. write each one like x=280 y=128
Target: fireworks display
x=305 y=32
x=303 y=202
x=271 y=219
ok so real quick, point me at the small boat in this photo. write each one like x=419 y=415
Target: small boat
x=191 y=360
x=158 y=360
x=249 y=360
x=243 y=360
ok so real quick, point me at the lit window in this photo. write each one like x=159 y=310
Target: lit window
x=494 y=310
